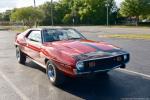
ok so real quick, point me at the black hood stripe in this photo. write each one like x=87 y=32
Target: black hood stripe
x=95 y=47
x=98 y=49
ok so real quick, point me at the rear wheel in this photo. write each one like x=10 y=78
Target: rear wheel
x=55 y=76
x=21 y=57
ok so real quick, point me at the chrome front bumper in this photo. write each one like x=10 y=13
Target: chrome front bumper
x=96 y=71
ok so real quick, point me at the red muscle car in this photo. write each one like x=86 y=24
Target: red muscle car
x=66 y=52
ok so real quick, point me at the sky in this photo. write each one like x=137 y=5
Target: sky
x=10 y=4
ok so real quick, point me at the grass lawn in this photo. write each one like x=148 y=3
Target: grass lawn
x=127 y=36
x=19 y=30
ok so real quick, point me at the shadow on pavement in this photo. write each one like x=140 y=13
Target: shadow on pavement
x=35 y=66
x=118 y=86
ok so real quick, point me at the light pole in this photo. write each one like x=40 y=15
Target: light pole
x=72 y=11
x=52 y=22
x=107 y=6
x=73 y=15
x=36 y=19
x=34 y=3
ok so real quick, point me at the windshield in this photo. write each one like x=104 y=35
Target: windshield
x=51 y=35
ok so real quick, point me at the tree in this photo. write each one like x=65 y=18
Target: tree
x=27 y=15
x=135 y=8
x=67 y=12
x=46 y=9
x=64 y=7
x=1 y=16
x=94 y=12
x=71 y=11
x=6 y=15
x=82 y=11
x=59 y=11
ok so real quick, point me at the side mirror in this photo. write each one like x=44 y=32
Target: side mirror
x=17 y=34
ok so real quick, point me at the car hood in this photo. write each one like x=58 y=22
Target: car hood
x=84 y=49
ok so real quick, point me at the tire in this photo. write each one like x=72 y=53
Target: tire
x=54 y=75
x=21 y=57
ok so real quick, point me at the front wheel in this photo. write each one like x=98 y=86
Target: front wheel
x=21 y=57
x=55 y=76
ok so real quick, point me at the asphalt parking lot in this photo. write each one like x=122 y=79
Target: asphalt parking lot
x=29 y=82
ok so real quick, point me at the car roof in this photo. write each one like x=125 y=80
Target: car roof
x=49 y=28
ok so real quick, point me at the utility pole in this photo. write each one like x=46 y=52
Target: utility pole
x=36 y=19
x=107 y=6
x=73 y=15
x=34 y=3
x=52 y=22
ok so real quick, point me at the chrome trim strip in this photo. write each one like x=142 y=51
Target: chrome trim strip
x=108 y=69
x=103 y=57
x=38 y=63
x=95 y=71
x=100 y=58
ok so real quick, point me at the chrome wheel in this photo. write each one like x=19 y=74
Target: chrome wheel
x=55 y=76
x=21 y=57
x=51 y=72
x=18 y=54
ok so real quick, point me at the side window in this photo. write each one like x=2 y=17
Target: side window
x=35 y=36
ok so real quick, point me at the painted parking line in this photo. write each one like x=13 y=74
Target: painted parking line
x=22 y=96
x=129 y=71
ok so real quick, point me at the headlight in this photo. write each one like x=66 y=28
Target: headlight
x=125 y=57
x=80 y=65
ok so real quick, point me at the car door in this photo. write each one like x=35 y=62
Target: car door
x=34 y=43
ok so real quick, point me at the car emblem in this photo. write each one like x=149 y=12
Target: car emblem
x=92 y=64
x=118 y=58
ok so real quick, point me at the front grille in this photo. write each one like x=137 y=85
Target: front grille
x=103 y=64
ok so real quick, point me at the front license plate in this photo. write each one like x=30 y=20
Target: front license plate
x=92 y=64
